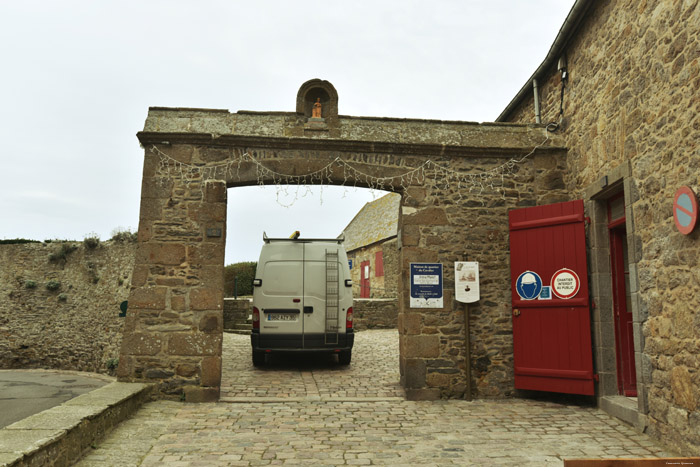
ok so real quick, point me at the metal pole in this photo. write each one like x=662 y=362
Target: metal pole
x=467 y=355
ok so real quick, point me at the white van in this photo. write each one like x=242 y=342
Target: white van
x=302 y=298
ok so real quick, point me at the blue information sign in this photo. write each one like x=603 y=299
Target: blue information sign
x=426 y=285
x=528 y=285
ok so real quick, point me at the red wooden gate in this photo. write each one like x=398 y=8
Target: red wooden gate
x=551 y=336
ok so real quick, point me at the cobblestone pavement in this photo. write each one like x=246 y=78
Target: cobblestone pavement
x=373 y=372
x=314 y=413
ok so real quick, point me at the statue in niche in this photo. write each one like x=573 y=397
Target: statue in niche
x=316 y=111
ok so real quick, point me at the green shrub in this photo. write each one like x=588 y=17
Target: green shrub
x=30 y=284
x=61 y=254
x=92 y=241
x=17 y=241
x=239 y=276
x=53 y=285
x=63 y=297
x=122 y=235
x=112 y=363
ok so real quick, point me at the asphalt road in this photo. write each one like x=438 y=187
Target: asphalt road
x=26 y=392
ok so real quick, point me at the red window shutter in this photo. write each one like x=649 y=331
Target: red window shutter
x=379 y=264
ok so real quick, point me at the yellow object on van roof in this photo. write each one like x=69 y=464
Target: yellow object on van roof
x=295 y=235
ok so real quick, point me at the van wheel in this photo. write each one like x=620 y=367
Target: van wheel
x=344 y=357
x=258 y=358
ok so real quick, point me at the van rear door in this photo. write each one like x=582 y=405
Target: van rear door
x=325 y=299
x=281 y=317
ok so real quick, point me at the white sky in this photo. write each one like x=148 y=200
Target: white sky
x=77 y=78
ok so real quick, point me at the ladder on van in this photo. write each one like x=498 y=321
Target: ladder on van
x=332 y=297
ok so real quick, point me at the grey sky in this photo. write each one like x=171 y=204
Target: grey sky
x=78 y=77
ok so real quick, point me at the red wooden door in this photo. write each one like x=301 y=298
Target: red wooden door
x=364 y=279
x=624 y=340
x=551 y=336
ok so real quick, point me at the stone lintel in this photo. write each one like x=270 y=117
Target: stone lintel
x=329 y=144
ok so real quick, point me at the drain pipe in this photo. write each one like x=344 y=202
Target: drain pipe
x=538 y=118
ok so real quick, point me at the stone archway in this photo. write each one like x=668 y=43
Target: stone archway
x=457 y=181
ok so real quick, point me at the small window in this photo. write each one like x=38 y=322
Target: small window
x=379 y=264
x=616 y=208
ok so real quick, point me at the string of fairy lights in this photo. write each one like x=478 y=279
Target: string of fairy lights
x=429 y=171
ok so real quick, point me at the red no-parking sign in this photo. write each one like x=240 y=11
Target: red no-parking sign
x=685 y=210
x=565 y=283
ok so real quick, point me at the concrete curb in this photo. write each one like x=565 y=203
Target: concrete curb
x=58 y=436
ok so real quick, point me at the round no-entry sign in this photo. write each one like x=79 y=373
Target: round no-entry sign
x=565 y=283
x=685 y=210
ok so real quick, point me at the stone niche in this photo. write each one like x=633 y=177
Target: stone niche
x=314 y=90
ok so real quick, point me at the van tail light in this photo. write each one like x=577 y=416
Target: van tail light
x=256 y=318
x=348 y=319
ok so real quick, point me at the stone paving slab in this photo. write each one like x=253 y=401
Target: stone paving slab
x=313 y=412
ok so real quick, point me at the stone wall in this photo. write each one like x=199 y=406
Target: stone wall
x=375 y=313
x=74 y=327
x=632 y=114
x=236 y=312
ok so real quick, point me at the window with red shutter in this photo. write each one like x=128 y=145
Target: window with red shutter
x=379 y=264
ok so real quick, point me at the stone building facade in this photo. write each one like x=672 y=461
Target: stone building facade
x=372 y=246
x=457 y=181
x=620 y=85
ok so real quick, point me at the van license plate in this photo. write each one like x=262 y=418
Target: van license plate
x=282 y=317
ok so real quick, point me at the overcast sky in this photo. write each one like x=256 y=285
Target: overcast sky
x=78 y=77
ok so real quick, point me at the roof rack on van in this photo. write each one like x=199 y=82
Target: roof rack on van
x=339 y=240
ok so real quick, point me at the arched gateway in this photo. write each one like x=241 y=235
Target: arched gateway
x=457 y=182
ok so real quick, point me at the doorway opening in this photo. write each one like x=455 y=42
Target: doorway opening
x=622 y=313
x=319 y=211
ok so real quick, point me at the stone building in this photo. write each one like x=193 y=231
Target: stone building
x=370 y=240
x=620 y=87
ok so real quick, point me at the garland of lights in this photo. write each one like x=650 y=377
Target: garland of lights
x=485 y=180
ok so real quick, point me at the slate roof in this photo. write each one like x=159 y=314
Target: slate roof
x=376 y=221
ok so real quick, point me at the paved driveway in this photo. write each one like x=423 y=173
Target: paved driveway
x=315 y=413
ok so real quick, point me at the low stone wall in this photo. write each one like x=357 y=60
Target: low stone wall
x=59 y=304
x=381 y=313
x=236 y=310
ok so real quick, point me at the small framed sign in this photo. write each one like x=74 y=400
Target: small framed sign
x=426 y=285
x=467 y=281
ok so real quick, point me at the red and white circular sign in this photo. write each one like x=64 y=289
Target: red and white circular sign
x=565 y=283
x=685 y=210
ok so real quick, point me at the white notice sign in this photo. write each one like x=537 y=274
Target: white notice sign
x=565 y=283
x=467 y=281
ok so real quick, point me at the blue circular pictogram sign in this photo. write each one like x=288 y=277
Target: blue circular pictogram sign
x=528 y=285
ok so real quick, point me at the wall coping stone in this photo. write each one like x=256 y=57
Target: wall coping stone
x=59 y=435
